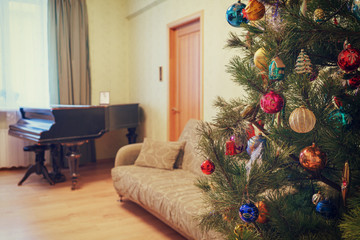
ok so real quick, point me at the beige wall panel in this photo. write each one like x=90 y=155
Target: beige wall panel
x=108 y=39
x=128 y=43
x=109 y=52
x=149 y=50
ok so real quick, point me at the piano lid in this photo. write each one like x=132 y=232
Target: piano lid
x=67 y=123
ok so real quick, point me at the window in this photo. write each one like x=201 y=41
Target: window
x=23 y=54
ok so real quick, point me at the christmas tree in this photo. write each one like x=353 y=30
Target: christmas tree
x=299 y=123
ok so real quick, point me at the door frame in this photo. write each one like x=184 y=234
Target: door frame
x=198 y=16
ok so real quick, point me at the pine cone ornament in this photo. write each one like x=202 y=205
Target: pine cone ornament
x=319 y=15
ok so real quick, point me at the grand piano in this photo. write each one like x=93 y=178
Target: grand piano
x=70 y=126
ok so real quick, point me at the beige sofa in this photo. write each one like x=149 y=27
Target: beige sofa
x=170 y=195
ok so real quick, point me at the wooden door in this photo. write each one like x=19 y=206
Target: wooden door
x=185 y=87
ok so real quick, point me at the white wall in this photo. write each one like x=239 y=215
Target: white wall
x=149 y=46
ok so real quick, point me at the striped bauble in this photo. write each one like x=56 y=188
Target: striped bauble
x=302 y=120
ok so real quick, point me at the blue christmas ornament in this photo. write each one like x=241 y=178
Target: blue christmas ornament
x=276 y=69
x=355 y=9
x=340 y=118
x=326 y=209
x=249 y=212
x=254 y=142
x=236 y=14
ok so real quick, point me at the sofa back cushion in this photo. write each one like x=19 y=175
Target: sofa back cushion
x=158 y=154
x=192 y=157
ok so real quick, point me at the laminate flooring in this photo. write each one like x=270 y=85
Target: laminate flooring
x=39 y=211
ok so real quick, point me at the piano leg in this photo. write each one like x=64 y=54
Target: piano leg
x=131 y=135
x=56 y=162
x=30 y=170
x=73 y=157
x=39 y=167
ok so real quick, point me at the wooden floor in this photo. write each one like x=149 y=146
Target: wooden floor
x=38 y=211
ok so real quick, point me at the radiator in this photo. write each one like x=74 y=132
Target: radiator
x=12 y=153
x=11 y=148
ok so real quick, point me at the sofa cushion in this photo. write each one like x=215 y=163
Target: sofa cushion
x=192 y=158
x=159 y=154
x=172 y=194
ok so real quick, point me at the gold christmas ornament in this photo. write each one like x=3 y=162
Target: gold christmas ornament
x=302 y=120
x=312 y=158
x=260 y=59
x=255 y=10
x=240 y=228
x=345 y=181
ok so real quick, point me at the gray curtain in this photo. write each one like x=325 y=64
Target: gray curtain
x=71 y=24
x=69 y=69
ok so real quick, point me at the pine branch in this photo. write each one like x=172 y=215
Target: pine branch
x=319 y=176
x=261 y=128
x=207 y=133
x=225 y=173
x=335 y=13
x=315 y=175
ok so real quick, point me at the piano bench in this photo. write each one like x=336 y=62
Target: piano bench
x=39 y=167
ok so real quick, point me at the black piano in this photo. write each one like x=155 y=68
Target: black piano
x=70 y=126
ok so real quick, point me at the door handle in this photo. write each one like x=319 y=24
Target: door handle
x=175 y=110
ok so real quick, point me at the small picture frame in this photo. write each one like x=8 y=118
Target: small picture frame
x=104 y=98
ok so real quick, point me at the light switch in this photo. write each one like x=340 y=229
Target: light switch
x=104 y=98
x=160 y=74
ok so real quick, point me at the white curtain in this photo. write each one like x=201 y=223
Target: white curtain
x=23 y=54
x=24 y=77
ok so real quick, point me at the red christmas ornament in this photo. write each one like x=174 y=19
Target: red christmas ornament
x=354 y=82
x=230 y=148
x=349 y=59
x=233 y=146
x=207 y=167
x=271 y=102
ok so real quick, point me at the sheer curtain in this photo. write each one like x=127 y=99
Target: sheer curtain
x=24 y=76
x=44 y=58
x=24 y=54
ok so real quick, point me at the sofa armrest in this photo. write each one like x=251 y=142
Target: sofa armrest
x=127 y=154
